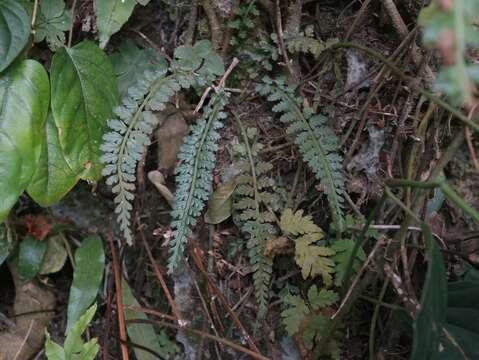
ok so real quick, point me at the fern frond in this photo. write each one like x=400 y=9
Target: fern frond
x=130 y=133
x=257 y=222
x=194 y=174
x=317 y=142
x=312 y=258
x=306 y=44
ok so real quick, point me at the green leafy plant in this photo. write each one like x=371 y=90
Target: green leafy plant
x=308 y=318
x=74 y=347
x=312 y=258
x=130 y=132
x=316 y=141
x=254 y=202
x=52 y=22
x=305 y=42
x=194 y=175
x=89 y=267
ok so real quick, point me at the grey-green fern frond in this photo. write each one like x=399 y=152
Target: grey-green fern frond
x=130 y=133
x=317 y=142
x=194 y=174
x=254 y=201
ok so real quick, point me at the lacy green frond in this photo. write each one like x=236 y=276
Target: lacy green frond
x=130 y=133
x=317 y=142
x=194 y=174
x=253 y=200
x=306 y=44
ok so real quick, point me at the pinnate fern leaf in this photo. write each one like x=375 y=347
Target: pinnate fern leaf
x=125 y=143
x=253 y=200
x=312 y=258
x=194 y=174
x=317 y=142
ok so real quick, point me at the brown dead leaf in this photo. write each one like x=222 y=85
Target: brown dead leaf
x=170 y=137
x=33 y=305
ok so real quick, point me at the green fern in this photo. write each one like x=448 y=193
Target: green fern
x=306 y=44
x=254 y=202
x=317 y=142
x=308 y=319
x=312 y=258
x=194 y=174
x=129 y=135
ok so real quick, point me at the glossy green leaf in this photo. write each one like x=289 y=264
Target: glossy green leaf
x=55 y=256
x=14 y=31
x=220 y=204
x=53 y=177
x=144 y=334
x=89 y=266
x=111 y=15
x=24 y=98
x=30 y=256
x=52 y=21
x=84 y=93
x=430 y=319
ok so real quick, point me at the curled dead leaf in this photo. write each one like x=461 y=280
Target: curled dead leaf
x=157 y=178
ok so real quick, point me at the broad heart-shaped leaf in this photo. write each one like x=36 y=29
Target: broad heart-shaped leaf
x=430 y=319
x=84 y=93
x=24 y=99
x=89 y=266
x=30 y=257
x=14 y=31
x=111 y=15
x=53 y=177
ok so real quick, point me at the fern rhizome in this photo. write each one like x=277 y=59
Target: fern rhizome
x=317 y=142
x=194 y=174
x=255 y=202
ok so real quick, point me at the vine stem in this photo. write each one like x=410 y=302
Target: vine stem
x=411 y=82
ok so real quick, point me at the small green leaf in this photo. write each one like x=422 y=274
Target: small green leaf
x=220 y=204
x=144 y=334
x=74 y=345
x=24 y=95
x=89 y=266
x=30 y=257
x=430 y=319
x=52 y=21
x=111 y=15
x=321 y=299
x=14 y=31
x=294 y=315
x=55 y=256
x=344 y=250
x=53 y=351
x=84 y=93
x=130 y=62
x=53 y=177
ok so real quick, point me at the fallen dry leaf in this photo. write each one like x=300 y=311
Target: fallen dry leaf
x=170 y=138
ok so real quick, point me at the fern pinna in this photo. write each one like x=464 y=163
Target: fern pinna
x=317 y=142
x=254 y=202
x=194 y=174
